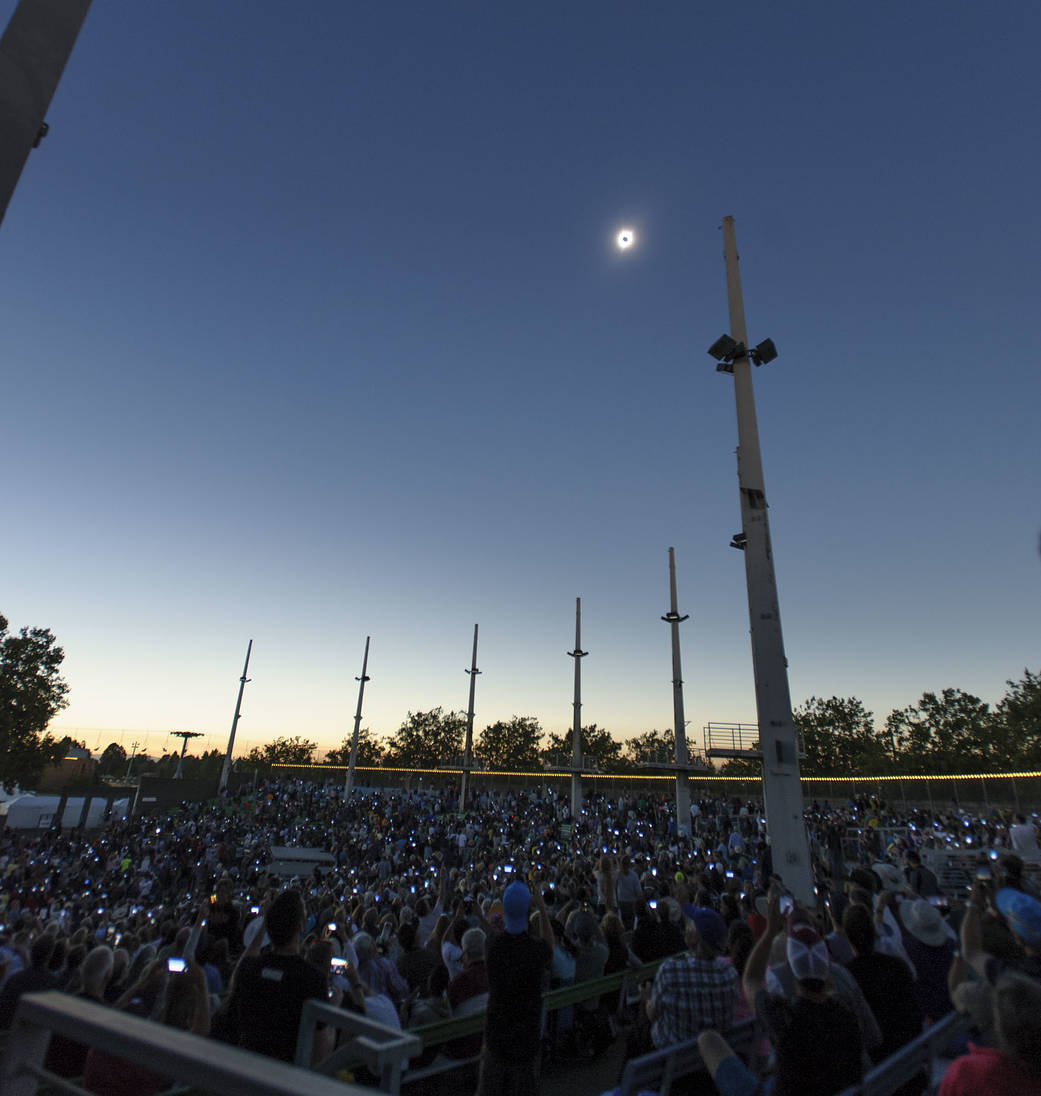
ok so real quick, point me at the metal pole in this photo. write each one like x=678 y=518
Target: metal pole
x=576 y=731
x=348 y=782
x=33 y=52
x=225 y=772
x=782 y=790
x=184 y=736
x=130 y=763
x=468 y=748
x=673 y=619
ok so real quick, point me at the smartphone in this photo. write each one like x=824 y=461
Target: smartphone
x=254 y=909
x=176 y=965
x=332 y=926
x=730 y=875
x=116 y=939
x=786 y=904
x=984 y=872
x=652 y=904
x=338 y=964
x=938 y=901
x=213 y=899
x=507 y=868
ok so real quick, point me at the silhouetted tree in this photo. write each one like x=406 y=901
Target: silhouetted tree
x=32 y=692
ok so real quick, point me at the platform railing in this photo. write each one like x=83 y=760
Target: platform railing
x=203 y=1064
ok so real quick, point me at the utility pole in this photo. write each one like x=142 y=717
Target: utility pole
x=225 y=772
x=782 y=790
x=33 y=52
x=468 y=748
x=348 y=783
x=576 y=733
x=185 y=735
x=674 y=620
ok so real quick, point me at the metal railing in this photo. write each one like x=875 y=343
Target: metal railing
x=383 y=1050
x=204 y=1064
x=734 y=738
x=658 y=1070
x=916 y=1058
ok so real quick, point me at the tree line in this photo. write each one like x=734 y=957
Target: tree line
x=946 y=732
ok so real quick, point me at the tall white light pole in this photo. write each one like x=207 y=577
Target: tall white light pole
x=469 y=745
x=782 y=791
x=225 y=772
x=348 y=783
x=674 y=620
x=576 y=730
x=33 y=52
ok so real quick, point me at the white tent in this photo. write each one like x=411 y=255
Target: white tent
x=35 y=812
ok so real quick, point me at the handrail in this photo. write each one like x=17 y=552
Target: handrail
x=205 y=1064
x=383 y=1050
x=444 y=1031
x=911 y=1059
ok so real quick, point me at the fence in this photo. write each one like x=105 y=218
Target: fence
x=1017 y=790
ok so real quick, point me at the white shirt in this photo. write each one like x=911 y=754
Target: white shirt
x=1023 y=838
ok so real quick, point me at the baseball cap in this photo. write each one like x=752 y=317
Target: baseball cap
x=516 y=901
x=807 y=954
x=711 y=927
x=1023 y=915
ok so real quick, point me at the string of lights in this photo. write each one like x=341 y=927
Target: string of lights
x=867 y=779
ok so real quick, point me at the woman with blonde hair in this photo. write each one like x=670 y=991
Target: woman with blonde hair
x=606 y=879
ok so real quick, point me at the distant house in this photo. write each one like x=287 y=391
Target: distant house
x=75 y=767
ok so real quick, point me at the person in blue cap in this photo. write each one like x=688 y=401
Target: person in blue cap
x=693 y=991
x=516 y=963
x=1022 y=914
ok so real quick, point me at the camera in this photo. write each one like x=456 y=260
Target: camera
x=176 y=965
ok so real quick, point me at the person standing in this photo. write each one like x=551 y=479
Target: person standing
x=629 y=892
x=269 y=989
x=816 y=1037
x=516 y=964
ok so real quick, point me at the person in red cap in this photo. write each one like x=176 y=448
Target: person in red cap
x=816 y=1037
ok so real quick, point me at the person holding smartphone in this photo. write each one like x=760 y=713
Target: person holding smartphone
x=816 y=1037
x=269 y=989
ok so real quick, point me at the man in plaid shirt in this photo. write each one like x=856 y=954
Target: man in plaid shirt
x=694 y=991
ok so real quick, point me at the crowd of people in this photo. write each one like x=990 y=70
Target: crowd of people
x=425 y=912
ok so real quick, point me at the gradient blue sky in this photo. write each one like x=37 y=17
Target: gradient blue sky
x=313 y=329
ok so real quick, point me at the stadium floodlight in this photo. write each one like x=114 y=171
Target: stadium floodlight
x=726 y=349
x=764 y=352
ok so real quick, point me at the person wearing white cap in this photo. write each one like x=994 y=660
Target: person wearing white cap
x=816 y=1037
x=931 y=948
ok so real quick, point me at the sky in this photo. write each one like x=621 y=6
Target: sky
x=314 y=329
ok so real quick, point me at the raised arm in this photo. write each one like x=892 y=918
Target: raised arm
x=755 y=969
x=540 y=907
x=972 y=931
